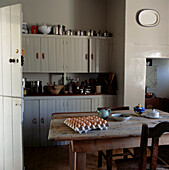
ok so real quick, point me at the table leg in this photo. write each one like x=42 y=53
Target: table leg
x=71 y=158
x=109 y=159
x=80 y=160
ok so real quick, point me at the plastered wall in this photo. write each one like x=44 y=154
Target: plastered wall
x=74 y=14
x=141 y=43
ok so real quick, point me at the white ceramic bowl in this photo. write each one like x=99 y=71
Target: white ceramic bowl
x=44 y=29
x=120 y=117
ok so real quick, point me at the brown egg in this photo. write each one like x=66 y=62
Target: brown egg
x=88 y=124
x=78 y=126
x=99 y=122
x=104 y=121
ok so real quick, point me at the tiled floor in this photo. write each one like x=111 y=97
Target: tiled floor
x=57 y=158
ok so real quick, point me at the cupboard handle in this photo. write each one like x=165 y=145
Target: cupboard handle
x=92 y=56
x=86 y=56
x=43 y=55
x=37 y=55
x=34 y=121
x=42 y=120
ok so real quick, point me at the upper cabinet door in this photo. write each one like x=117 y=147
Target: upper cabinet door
x=32 y=54
x=55 y=54
x=76 y=55
x=44 y=55
x=99 y=52
x=10 y=51
x=103 y=55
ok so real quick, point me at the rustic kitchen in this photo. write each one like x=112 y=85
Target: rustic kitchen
x=79 y=56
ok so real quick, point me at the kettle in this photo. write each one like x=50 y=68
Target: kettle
x=103 y=113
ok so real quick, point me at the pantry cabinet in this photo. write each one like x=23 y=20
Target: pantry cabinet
x=38 y=111
x=71 y=54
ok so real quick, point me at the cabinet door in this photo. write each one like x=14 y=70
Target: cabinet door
x=44 y=56
x=76 y=54
x=99 y=60
x=31 y=123
x=47 y=107
x=103 y=54
x=32 y=54
x=79 y=105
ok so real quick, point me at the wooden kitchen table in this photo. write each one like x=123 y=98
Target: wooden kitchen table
x=118 y=136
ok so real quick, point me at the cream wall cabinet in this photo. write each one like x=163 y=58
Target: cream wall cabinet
x=100 y=50
x=71 y=54
x=38 y=111
x=36 y=56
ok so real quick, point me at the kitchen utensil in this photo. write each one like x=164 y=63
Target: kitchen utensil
x=24 y=28
x=91 y=33
x=120 y=117
x=98 y=89
x=153 y=114
x=138 y=109
x=38 y=87
x=82 y=33
x=44 y=29
x=52 y=89
x=103 y=113
x=34 y=29
x=70 y=32
x=148 y=17
x=58 y=29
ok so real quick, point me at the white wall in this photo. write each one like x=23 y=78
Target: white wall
x=74 y=14
x=141 y=43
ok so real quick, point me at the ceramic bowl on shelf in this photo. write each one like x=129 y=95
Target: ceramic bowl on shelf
x=44 y=29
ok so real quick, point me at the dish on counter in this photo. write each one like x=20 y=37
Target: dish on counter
x=120 y=117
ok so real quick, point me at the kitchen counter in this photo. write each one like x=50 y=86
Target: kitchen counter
x=67 y=96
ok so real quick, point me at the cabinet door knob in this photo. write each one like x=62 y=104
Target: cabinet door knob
x=37 y=55
x=86 y=56
x=43 y=55
x=42 y=120
x=34 y=121
x=12 y=60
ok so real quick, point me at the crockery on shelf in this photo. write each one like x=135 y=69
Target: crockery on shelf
x=44 y=29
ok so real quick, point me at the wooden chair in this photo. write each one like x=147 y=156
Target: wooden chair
x=125 y=153
x=145 y=162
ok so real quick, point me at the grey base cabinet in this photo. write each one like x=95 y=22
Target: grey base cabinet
x=38 y=111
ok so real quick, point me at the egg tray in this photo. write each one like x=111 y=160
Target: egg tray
x=85 y=124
